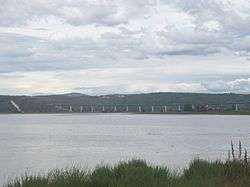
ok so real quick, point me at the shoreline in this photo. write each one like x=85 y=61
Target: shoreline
x=141 y=113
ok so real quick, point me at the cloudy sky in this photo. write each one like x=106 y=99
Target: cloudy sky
x=124 y=46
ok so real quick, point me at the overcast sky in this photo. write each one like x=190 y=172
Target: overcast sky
x=124 y=46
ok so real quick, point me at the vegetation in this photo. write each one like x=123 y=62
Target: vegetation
x=138 y=173
x=235 y=172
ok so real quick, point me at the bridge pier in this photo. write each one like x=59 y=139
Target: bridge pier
x=165 y=109
x=70 y=108
x=152 y=109
x=126 y=108
x=179 y=108
x=236 y=108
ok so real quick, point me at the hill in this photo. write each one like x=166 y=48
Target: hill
x=74 y=101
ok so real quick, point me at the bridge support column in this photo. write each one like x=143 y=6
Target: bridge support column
x=236 y=107
x=70 y=108
x=165 y=109
x=139 y=108
x=179 y=108
x=193 y=107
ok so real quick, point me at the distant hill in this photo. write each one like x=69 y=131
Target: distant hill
x=62 y=103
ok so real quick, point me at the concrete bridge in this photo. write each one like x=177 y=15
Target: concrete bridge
x=132 y=108
x=146 y=108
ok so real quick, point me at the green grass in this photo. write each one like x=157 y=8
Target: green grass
x=137 y=173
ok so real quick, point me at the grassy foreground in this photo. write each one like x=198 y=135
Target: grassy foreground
x=137 y=173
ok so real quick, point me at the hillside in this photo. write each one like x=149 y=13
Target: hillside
x=61 y=103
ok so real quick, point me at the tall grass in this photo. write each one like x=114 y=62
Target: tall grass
x=234 y=172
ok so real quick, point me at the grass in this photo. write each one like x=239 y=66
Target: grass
x=137 y=173
x=235 y=172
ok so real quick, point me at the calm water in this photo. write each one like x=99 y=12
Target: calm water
x=38 y=142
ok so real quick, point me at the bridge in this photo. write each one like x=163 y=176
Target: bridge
x=149 y=109
x=130 y=108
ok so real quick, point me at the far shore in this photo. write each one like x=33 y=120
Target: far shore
x=143 y=113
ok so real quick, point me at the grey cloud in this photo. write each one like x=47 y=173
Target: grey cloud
x=13 y=12
x=188 y=50
x=14 y=46
x=196 y=40
x=129 y=34
x=235 y=86
x=102 y=90
x=234 y=24
x=24 y=53
x=103 y=12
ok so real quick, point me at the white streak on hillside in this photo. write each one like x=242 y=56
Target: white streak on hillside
x=15 y=105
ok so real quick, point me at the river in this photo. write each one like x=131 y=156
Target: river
x=39 y=142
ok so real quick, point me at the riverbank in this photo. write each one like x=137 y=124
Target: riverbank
x=136 y=173
x=198 y=113
x=162 y=113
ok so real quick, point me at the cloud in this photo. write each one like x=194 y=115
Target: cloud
x=148 y=28
x=164 y=45
x=93 y=82
x=80 y=12
x=220 y=24
x=15 y=46
x=99 y=81
x=234 y=86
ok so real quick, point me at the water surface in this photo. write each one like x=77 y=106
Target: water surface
x=38 y=142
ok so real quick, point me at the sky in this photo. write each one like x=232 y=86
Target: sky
x=124 y=46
